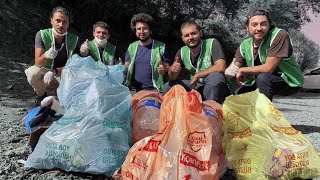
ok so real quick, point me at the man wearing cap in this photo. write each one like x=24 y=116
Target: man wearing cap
x=199 y=65
x=265 y=59
x=53 y=47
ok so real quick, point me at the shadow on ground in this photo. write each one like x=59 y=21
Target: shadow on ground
x=305 y=129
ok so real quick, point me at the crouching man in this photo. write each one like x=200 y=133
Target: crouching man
x=53 y=47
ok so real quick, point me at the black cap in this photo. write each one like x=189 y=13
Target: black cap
x=257 y=11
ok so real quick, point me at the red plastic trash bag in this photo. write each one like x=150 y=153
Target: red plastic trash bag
x=184 y=147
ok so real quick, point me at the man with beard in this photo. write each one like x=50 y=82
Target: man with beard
x=268 y=59
x=99 y=48
x=147 y=60
x=52 y=49
x=199 y=65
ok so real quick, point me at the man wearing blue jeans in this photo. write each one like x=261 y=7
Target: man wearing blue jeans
x=199 y=65
x=267 y=56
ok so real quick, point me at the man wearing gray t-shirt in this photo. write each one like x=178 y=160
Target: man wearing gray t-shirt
x=52 y=49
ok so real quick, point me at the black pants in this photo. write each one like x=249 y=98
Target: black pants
x=270 y=85
x=214 y=87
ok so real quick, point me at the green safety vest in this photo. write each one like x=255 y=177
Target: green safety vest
x=47 y=39
x=204 y=61
x=156 y=53
x=108 y=52
x=289 y=68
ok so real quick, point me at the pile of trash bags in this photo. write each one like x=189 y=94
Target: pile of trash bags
x=188 y=143
x=176 y=136
x=94 y=134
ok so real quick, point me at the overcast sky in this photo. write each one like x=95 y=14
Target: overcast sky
x=311 y=30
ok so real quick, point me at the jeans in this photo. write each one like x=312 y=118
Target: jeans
x=270 y=85
x=213 y=88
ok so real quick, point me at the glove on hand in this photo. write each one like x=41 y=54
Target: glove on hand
x=84 y=49
x=232 y=70
x=51 y=53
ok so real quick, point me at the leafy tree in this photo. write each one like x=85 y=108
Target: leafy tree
x=306 y=51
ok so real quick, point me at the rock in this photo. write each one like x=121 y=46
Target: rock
x=20 y=151
x=9 y=87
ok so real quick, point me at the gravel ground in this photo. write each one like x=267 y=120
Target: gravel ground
x=16 y=99
x=302 y=111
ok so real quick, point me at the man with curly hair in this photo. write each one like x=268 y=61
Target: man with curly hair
x=147 y=59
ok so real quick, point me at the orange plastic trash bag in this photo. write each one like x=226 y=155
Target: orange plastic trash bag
x=145 y=114
x=184 y=147
x=261 y=144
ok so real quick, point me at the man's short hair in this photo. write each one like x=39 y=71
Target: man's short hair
x=189 y=23
x=59 y=9
x=143 y=18
x=101 y=24
x=256 y=12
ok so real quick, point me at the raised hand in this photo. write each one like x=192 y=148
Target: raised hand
x=51 y=53
x=84 y=48
x=161 y=70
x=176 y=66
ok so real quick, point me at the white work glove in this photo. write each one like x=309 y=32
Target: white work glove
x=47 y=101
x=51 y=53
x=54 y=103
x=84 y=48
x=232 y=70
x=48 y=78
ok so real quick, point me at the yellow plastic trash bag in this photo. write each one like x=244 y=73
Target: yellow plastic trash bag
x=261 y=144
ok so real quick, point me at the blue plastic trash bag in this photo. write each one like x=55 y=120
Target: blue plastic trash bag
x=36 y=117
x=94 y=135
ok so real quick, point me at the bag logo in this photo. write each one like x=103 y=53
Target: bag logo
x=207 y=62
x=151 y=146
x=197 y=140
x=140 y=162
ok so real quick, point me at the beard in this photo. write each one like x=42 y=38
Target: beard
x=193 y=46
x=145 y=39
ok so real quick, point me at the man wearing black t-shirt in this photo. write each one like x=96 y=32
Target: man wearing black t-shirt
x=199 y=65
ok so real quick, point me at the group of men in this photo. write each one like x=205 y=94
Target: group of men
x=263 y=60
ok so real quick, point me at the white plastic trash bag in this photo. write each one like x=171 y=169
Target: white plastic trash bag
x=94 y=135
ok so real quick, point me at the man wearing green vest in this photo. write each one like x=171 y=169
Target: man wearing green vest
x=99 y=48
x=53 y=47
x=199 y=65
x=147 y=60
x=267 y=55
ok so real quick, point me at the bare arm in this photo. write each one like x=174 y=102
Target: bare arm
x=219 y=66
x=270 y=65
x=39 y=58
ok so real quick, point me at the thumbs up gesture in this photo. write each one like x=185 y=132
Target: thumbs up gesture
x=51 y=53
x=161 y=70
x=176 y=66
x=84 y=48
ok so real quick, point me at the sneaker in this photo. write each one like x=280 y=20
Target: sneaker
x=38 y=99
